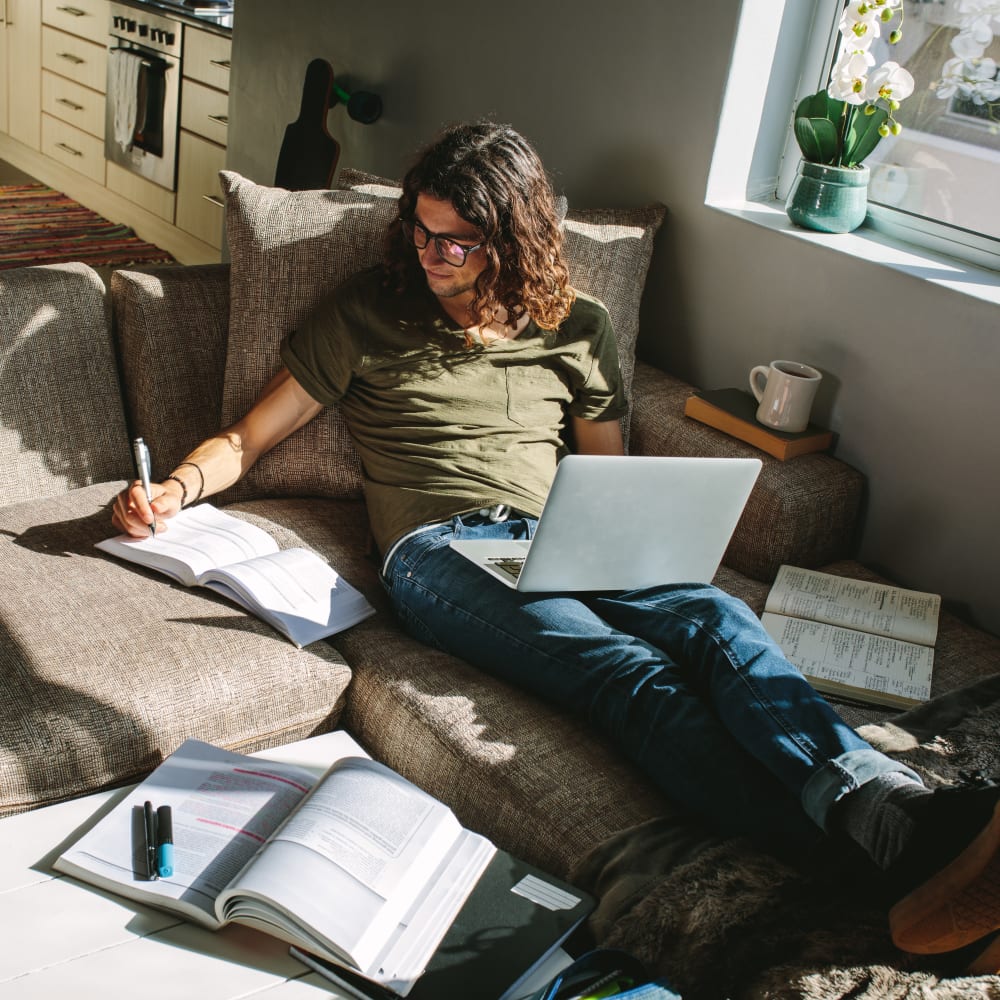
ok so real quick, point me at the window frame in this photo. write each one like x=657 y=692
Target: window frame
x=754 y=182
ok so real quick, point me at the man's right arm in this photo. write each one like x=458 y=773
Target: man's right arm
x=282 y=408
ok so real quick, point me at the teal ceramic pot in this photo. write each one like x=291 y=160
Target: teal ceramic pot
x=828 y=199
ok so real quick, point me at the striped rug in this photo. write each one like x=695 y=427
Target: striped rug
x=42 y=226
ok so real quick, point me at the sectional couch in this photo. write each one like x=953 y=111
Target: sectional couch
x=105 y=668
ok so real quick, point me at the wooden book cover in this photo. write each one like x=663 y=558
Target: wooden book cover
x=733 y=411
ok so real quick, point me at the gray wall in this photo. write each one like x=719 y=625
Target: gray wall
x=622 y=101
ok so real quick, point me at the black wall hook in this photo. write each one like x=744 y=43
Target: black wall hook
x=362 y=105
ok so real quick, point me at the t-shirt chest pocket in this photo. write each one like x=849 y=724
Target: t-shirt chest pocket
x=536 y=396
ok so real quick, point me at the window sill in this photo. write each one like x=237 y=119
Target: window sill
x=877 y=248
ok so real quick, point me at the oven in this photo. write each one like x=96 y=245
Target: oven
x=143 y=96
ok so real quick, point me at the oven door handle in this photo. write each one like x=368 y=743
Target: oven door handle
x=149 y=61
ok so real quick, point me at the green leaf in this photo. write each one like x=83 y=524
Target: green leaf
x=862 y=137
x=817 y=138
x=817 y=127
x=820 y=105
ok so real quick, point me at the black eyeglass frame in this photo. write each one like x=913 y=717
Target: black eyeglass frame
x=441 y=240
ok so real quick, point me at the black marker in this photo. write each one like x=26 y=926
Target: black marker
x=149 y=833
x=164 y=842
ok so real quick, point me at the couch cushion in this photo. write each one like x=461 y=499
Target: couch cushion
x=608 y=252
x=105 y=668
x=57 y=433
x=803 y=512
x=172 y=324
x=288 y=249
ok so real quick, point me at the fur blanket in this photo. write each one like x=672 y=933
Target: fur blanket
x=722 y=920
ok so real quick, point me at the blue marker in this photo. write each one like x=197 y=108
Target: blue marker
x=164 y=842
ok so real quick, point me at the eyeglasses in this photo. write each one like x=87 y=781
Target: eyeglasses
x=447 y=249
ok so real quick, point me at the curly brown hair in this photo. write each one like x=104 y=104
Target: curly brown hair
x=495 y=181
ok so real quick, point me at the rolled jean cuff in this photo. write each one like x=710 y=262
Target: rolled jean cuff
x=845 y=774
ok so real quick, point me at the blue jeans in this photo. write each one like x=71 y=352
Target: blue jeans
x=683 y=678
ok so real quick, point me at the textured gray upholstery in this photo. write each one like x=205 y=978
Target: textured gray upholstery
x=61 y=419
x=104 y=668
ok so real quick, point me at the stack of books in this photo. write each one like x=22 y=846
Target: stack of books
x=734 y=412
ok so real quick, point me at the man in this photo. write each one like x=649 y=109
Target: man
x=460 y=367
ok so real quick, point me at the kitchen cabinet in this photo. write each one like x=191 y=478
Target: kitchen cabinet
x=53 y=122
x=75 y=58
x=73 y=148
x=84 y=18
x=73 y=78
x=20 y=61
x=203 y=136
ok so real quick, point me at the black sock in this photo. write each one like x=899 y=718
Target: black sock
x=874 y=816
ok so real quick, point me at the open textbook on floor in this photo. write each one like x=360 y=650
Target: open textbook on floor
x=358 y=866
x=854 y=638
x=293 y=590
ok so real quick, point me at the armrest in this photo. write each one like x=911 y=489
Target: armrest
x=172 y=328
x=62 y=423
x=802 y=511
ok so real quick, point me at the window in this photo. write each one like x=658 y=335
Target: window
x=933 y=212
x=945 y=164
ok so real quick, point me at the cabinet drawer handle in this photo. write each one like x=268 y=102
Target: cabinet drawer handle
x=69 y=57
x=73 y=11
x=68 y=149
x=211 y=199
x=69 y=104
x=221 y=119
x=221 y=63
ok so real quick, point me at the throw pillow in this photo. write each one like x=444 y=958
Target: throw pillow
x=288 y=249
x=608 y=253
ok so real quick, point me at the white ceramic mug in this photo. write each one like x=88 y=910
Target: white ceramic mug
x=785 y=391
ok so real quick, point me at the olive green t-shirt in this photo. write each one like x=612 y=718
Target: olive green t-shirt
x=442 y=428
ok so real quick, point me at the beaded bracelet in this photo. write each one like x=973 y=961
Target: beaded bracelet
x=201 y=476
x=184 y=492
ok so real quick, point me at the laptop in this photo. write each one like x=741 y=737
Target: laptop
x=614 y=522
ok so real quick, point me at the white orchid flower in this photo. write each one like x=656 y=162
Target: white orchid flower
x=849 y=77
x=971 y=79
x=979 y=21
x=860 y=24
x=890 y=82
x=972 y=40
x=970 y=10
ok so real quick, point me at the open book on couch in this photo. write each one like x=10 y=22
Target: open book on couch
x=293 y=590
x=856 y=639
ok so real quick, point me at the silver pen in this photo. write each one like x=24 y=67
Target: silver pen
x=141 y=453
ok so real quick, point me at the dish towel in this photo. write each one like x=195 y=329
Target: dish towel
x=123 y=89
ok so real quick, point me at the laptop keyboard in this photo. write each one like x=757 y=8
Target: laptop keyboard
x=511 y=565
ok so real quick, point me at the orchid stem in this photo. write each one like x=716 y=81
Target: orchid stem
x=846 y=118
